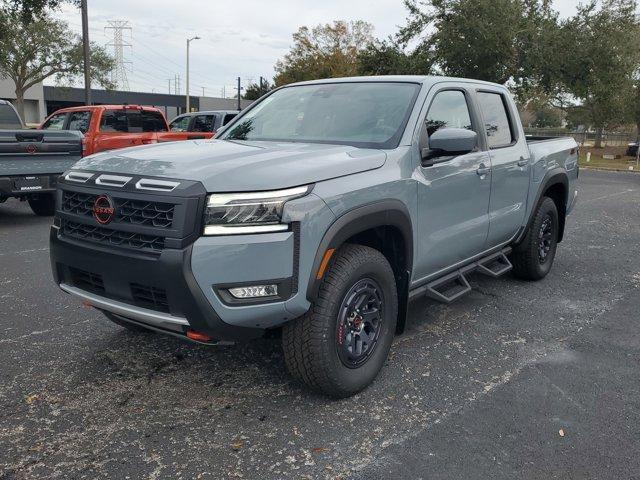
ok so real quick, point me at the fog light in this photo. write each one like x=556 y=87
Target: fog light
x=254 y=291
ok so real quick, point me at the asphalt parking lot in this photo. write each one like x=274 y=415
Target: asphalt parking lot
x=516 y=380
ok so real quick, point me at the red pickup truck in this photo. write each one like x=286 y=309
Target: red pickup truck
x=108 y=127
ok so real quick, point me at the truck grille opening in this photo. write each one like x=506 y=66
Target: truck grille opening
x=134 y=212
x=150 y=297
x=106 y=236
x=86 y=280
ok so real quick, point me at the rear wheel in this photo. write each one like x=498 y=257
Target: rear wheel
x=341 y=344
x=42 y=204
x=533 y=258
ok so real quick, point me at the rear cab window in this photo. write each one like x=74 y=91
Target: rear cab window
x=132 y=121
x=9 y=118
x=55 y=122
x=497 y=121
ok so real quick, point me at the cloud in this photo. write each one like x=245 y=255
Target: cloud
x=239 y=39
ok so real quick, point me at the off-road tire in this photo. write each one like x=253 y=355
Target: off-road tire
x=310 y=342
x=129 y=326
x=525 y=258
x=42 y=204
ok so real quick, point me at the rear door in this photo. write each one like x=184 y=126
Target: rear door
x=510 y=167
x=453 y=194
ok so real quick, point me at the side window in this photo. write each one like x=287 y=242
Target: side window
x=55 y=122
x=152 y=121
x=203 y=123
x=448 y=109
x=114 y=121
x=496 y=119
x=228 y=117
x=79 y=121
x=180 y=124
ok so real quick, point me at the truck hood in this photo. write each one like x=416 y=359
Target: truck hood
x=232 y=166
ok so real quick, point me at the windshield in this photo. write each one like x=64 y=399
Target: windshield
x=362 y=114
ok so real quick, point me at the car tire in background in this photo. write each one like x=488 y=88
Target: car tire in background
x=42 y=204
x=533 y=258
x=341 y=344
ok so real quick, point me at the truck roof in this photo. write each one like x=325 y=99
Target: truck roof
x=106 y=107
x=423 y=79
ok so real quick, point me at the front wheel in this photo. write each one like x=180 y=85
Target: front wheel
x=533 y=258
x=341 y=344
x=42 y=204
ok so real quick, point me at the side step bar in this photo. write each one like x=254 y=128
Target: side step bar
x=454 y=285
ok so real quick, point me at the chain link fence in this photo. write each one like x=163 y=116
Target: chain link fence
x=586 y=139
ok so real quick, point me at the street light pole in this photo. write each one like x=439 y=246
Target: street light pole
x=85 y=50
x=189 y=40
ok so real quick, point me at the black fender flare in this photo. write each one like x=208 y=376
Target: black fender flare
x=553 y=177
x=379 y=214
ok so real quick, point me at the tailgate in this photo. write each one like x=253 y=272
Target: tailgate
x=176 y=136
x=26 y=152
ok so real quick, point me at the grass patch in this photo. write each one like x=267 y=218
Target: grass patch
x=616 y=164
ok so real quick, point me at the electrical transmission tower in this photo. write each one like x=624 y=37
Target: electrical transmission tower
x=119 y=72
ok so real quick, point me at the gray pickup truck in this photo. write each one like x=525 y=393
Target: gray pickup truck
x=319 y=212
x=32 y=160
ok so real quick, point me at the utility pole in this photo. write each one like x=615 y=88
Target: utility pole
x=189 y=40
x=203 y=91
x=169 y=86
x=239 y=88
x=85 y=51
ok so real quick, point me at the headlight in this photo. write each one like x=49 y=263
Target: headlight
x=251 y=212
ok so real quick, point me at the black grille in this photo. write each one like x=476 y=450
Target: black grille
x=144 y=213
x=150 y=297
x=106 y=236
x=78 y=203
x=135 y=212
x=86 y=280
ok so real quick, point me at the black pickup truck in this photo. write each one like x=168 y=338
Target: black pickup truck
x=32 y=160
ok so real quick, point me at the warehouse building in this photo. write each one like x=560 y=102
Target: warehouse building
x=42 y=100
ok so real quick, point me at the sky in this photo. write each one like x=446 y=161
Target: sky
x=239 y=39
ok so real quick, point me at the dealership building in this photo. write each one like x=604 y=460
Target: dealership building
x=42 y=100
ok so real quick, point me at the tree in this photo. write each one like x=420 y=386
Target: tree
x=324 y=51
x=43 y=48
x=254 y=91
x=387 y=57
x=603 y=45
x=493 y=40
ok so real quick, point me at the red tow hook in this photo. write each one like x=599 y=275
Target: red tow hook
x=198 y=336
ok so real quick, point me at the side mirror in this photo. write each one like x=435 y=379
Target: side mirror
x=448 y=142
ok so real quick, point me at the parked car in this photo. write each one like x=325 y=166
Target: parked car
x=110 y=127
x=31 y=161
x=206 y=122
x=632 y=149
x=319 y=211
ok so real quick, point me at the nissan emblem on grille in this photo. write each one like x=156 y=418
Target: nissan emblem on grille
x=103 y=209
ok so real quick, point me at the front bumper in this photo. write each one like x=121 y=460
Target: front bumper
x=112 y=280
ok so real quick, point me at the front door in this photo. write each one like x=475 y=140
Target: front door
x=453 y=195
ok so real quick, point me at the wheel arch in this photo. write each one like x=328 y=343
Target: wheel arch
x=384 y=225
x=554 y=185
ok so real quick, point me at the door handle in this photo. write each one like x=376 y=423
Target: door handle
x=523 y=162
x=483 y=169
